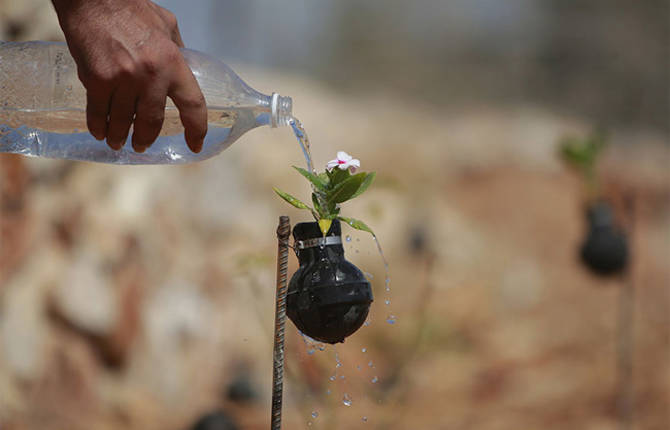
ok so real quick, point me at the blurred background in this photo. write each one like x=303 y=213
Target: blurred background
x=143 y=297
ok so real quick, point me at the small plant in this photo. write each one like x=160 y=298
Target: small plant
x=582 y=155
x=337 y=184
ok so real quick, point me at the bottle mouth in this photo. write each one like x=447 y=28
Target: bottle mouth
x=281 y=112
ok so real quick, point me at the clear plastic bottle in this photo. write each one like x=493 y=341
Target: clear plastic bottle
x=43 y=109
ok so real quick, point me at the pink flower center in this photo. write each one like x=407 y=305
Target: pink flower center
x=341 y=162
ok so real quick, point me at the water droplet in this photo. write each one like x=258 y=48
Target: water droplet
x=338 y=365
x=387 y=302
x=341 y=376
x=364 y=419
x=370 y=363
x=358 y=367
x=374 y=380
x=311 y=351
x=366 y=323
x=309 y=423
x=391 y=319
x=328 y=391
x=315 y=414
x=364 y=349
x=333 y=377
x=348 y=238
x=346 y=399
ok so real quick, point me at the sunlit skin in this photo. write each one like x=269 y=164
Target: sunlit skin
x=128 y=59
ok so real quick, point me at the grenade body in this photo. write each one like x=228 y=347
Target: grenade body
x=605 y=248
x=328 y=297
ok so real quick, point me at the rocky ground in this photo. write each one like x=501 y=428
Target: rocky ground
x=142 y=297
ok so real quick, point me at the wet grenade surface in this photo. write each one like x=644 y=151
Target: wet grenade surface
x=605 y=248
x=328 y=297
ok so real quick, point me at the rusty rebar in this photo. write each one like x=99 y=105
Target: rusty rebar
x=283 y=232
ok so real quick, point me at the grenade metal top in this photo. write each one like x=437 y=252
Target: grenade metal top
x=328 y=297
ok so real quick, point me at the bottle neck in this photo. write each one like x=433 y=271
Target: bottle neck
x=280 y=110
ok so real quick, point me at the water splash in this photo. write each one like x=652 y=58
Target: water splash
x=387 y=278
x=303 y=140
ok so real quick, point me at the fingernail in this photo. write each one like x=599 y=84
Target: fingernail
x=198 y=146
x=139 y=148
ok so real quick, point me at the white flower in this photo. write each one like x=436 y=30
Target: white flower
x=344 y=161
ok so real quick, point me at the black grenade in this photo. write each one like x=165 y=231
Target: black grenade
x=605 y=249
x=328 y=298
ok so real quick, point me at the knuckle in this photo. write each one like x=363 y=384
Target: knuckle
x=125 y=69
x=151 y=66
x=172 y=54
x=194 y=102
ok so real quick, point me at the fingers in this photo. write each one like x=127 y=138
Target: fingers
x=186 y=95
x=121 y=112
x=97 y=108
x=150 y=113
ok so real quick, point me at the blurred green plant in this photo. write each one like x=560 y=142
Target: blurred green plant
x=581 y=154
x=338 y=184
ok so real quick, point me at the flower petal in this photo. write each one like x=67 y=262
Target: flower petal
x=332 y=163
x=341 y=155
x=355 y=162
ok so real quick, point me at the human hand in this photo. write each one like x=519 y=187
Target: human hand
x=128 y=59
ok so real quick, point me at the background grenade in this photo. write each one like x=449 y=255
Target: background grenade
x=328 y=297
x=605 y=249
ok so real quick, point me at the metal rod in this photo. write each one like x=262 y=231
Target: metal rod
x=625 y=326
x=283 y=232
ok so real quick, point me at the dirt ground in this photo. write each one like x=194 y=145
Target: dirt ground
x=142 y=297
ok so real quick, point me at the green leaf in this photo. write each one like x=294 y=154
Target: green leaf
x=324 y=178
x=364 y=185
x=346 y=189
x=291 y=200
x=324 y=225
x=357 y=224
x=337 y=176
x=311 y=177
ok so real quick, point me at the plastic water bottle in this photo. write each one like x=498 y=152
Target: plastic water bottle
x=43 y=109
